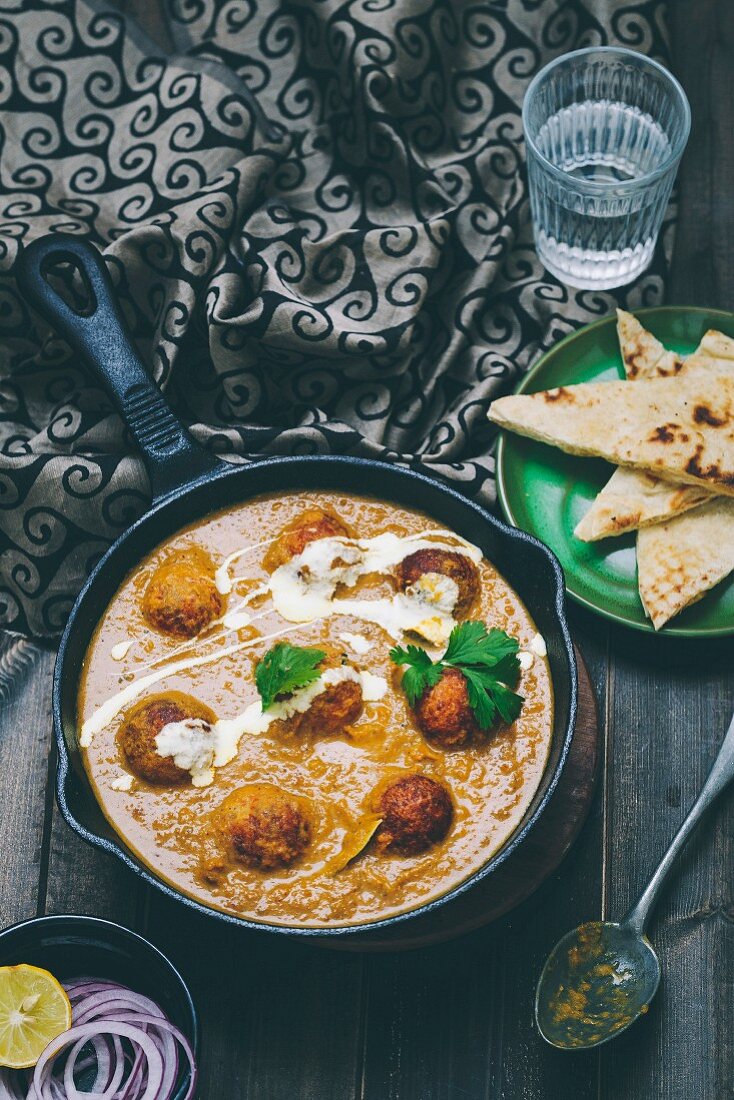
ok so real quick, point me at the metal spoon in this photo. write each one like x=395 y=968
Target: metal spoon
x=601 y=977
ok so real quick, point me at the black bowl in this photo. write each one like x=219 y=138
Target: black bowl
x=78 y=946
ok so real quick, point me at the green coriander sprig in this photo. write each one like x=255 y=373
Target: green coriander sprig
x=488 y=661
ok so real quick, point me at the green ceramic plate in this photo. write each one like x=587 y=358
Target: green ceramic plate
x=546 y=492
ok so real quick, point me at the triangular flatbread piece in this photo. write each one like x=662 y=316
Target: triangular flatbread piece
x=679 y=561
x=632 y=499
x=642 y=353
x=680 y=428
x=717 y=344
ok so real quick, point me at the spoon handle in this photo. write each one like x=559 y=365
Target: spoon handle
x=721 y=774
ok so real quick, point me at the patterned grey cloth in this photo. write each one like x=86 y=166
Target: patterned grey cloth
x=315 y=215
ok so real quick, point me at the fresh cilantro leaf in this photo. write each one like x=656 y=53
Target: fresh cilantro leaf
x=490 y=699
x=484 y=709
x=421 y=673
x=417 y=680
x=507 y=670
x=284 y=669
x=413 y=655
x=471 y=644
x=508 y=703
x=463 y=641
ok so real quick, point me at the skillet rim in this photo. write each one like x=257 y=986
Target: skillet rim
x=347 y=462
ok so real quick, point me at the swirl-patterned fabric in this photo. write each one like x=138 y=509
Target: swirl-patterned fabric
x=315 y=215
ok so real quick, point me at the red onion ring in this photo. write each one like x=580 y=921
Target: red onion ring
x=122 y=1036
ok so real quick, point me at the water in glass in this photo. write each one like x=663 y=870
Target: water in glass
x=601 y=166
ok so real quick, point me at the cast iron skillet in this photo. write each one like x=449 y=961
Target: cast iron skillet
x=188 y=483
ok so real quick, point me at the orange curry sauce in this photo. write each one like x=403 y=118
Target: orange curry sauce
x=491 y=784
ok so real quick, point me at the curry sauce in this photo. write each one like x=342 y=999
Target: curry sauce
x=343 y=876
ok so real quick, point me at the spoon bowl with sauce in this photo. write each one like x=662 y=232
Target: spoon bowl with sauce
x=596 y=982
x=602 y=976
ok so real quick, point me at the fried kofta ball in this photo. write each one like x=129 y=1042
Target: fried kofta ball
x=181 y=598
x=443 y=713
x=416 y=813
x=263 y=826
x=312 y=524
x=448 y=563
x=335 y=707
x=143 y=724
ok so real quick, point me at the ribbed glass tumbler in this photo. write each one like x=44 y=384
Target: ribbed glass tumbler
x=605 y=129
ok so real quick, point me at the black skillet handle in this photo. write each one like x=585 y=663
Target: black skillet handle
x=100 y=335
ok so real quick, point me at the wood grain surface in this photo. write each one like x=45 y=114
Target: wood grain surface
x=286 y=1021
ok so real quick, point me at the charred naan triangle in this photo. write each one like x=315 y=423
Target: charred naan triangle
x=716 y=345
x=680 y=428
x=679 y=557
x=631 y=500
x=679 y=561
x=642 y=353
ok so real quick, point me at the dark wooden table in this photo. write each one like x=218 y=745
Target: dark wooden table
x=285 y=1021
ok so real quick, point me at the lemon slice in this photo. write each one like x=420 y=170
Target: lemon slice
x=34 y=1009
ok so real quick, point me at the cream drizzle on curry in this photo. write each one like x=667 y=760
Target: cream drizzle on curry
x=321 y=599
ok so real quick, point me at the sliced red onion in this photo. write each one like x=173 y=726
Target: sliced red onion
x=136 y=1036
x=122 y=1037
x=10 y=1088
x=102 y=1004
x=135 y=1079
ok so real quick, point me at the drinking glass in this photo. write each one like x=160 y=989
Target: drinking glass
x=605 y=129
